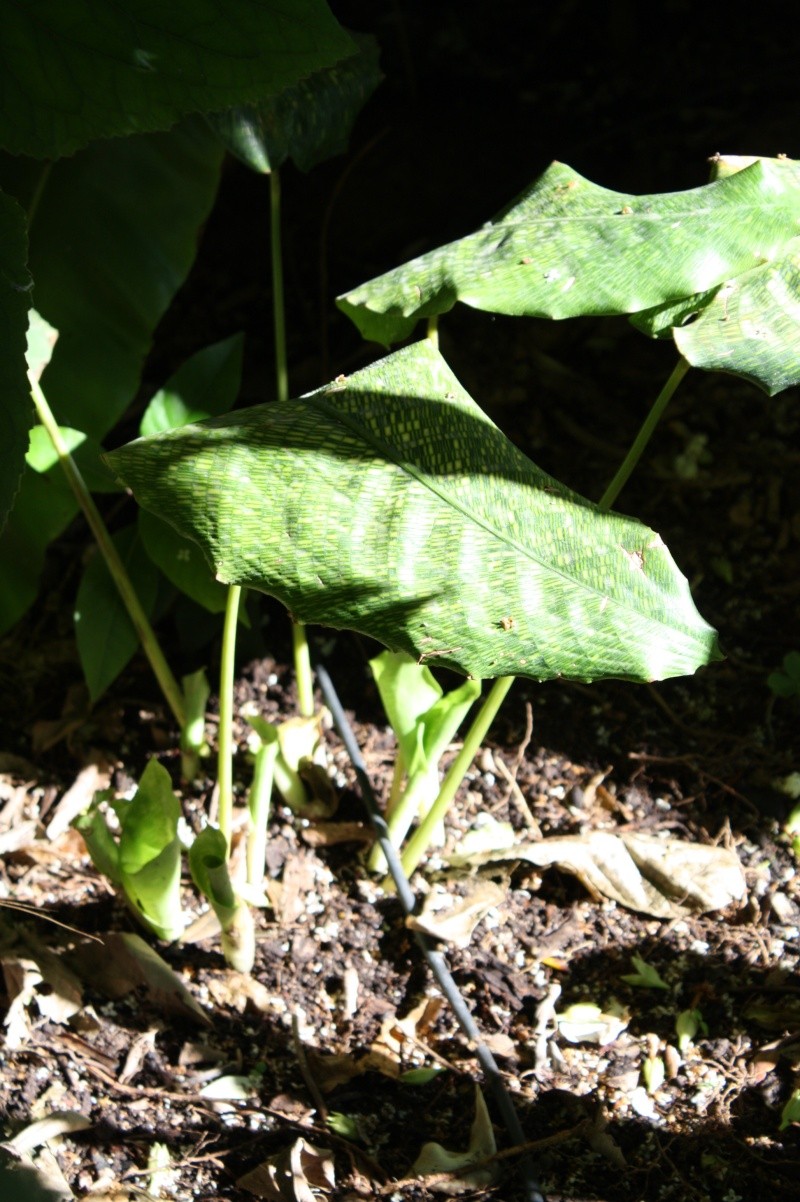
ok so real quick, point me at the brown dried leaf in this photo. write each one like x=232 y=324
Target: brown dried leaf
x=328 y=834
x=452 y=919
x=125 y=962
x=94 y=776
x=664 y=877
x=22 y=977
x=299 y=1174
x=449 y=1172
x=60 y=1122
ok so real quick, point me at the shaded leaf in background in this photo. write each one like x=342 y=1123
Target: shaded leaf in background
x=182 y=562
x=428 y=530
x=569 y=248
x=16 y=409
x=76 y=71
x=105 y=634
x=114 y=236
x=310 y=120
x=206 y=384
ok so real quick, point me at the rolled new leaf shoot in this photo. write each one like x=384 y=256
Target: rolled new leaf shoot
x=145 y=861
x=258 y=801
x=284 y=770
x=193 y=736
x=209 y=869
x=425 y=720
x=429 y=531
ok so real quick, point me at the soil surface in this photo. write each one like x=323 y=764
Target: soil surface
x=674 y=1086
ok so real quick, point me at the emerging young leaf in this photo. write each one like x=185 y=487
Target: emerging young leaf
x=146 y=861
x=208 y=863
x=728 y=251
x=390 y=504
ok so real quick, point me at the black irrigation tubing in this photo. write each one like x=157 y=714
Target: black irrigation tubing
x=435 y=959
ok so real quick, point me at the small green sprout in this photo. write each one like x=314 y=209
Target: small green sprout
x=786 y=681
x=653 y=1074
x=209 y=868
x=144 y=860
x=344 y=1125
x=687 y=1024
x=791 y=1111
x=645 y=976
x=421 y=1076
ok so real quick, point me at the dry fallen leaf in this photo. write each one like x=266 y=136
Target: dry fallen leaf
x=125 y=962
x=449 y=1172
x=300 y=1174
x=584 y=1022
x=661 y=876
x=452 y=919
x=42 y=979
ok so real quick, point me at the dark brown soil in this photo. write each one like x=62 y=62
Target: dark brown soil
x=315 y=1030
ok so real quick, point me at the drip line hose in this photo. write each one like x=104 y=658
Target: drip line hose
x=435 y=959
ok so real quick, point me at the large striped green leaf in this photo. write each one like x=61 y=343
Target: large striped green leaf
x=390 y=504
x=568 y=248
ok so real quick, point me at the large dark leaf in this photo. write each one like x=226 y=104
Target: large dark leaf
x=74 y=70
x=16 y=410
x=389 y=503
x=307 y=122
x=114 y=234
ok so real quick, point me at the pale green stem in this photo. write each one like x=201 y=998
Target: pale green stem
x=419 y=841
x=433 y=332
x=258 y=802
x=302 y=654
x=397 y=781
x=377 y=860
x=420 y=791
x=169 y=685
x=643 y=437
x=278 y=307
x=302 y=670
x=225 y=739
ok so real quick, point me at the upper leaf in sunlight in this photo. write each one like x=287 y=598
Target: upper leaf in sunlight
x=724 y=257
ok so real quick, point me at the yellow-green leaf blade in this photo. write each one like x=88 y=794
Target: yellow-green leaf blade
x=390 y=504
